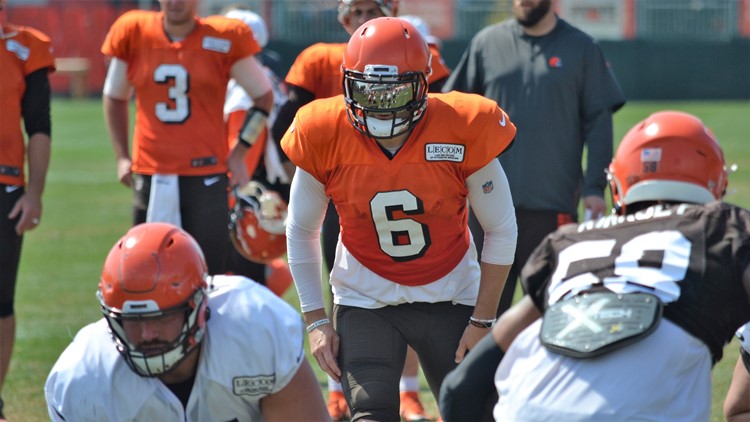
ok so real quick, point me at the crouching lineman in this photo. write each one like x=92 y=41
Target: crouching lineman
x=625 y=316
x=177 y=345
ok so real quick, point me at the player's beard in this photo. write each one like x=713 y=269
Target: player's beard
x=534 y=15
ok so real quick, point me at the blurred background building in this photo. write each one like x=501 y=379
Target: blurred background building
x=659 y=49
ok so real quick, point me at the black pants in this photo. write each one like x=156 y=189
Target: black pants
x=533 y=227
x=204 y=210
x=10 y=248
x=373 y=349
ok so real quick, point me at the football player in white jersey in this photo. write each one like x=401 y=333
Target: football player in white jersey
x=177 y=345
x=624 y=316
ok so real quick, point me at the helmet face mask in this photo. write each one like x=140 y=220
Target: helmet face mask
x=155 y=271
x=381 y=103
x=151 y=362
x=671 y=157
x=386 y=66
x=257 y=224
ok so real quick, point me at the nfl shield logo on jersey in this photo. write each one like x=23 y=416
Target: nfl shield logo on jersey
x=488 y=187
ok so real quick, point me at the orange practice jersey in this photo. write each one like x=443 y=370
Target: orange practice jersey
x=403 y=218
x=318 y=69
x=180 y=89
x=22 y=51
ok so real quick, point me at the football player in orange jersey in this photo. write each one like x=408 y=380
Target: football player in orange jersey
x=26 y=61
x=401 y=168
x=179 y=65
x=316 y=74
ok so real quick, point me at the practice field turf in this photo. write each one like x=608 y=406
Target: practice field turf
x=86 y=210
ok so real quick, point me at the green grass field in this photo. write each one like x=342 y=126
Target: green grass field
x=86 y=210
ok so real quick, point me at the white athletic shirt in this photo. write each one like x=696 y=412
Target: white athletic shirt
x=672 y=385
x=253 y=348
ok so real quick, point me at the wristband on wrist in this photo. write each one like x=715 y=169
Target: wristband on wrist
x=317 y=324
x=482 y=323
x=255 y=122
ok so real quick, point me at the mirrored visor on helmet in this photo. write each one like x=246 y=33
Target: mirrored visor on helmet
x=382 y=95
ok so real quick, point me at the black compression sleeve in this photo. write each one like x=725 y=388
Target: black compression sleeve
x=296 y=99
x=468 y=392
x=35 y=107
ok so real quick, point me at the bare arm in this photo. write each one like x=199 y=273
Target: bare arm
x=301 y=399
x=249 y=74
x=116 y=97
x=490 y=286
x=117 y=120
x=737 y=402
x=30 y=204
x=515 y=320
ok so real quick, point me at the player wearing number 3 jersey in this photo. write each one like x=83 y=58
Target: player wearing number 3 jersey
x=401 y=169
x=178 y=65
x=625 y=316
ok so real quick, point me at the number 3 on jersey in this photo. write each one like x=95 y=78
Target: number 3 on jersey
x=403 y=239
x=179 y=80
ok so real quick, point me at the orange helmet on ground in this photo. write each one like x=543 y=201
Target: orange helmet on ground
x=386 y=66
x=278 y=276
x=155 y=270
x=257 y=224
x=669 y=156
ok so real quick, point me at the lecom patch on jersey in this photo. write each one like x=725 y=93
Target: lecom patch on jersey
x=217 y=44
x=253 y=386
x=445 y=152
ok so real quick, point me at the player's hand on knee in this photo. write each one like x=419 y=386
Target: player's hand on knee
x=324 y=345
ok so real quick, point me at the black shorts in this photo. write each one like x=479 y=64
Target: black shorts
x=373 y=349
x=10 y=248
x=204 y=209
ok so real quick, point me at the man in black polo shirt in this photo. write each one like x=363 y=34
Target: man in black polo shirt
x=553 y=81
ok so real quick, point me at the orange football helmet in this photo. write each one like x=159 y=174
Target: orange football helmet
x=257 y=223
x=669 y=156
x=155 y=270
x=386 y=66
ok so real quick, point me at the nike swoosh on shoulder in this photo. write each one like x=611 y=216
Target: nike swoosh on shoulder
x=208 y=181
x=502 y=121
